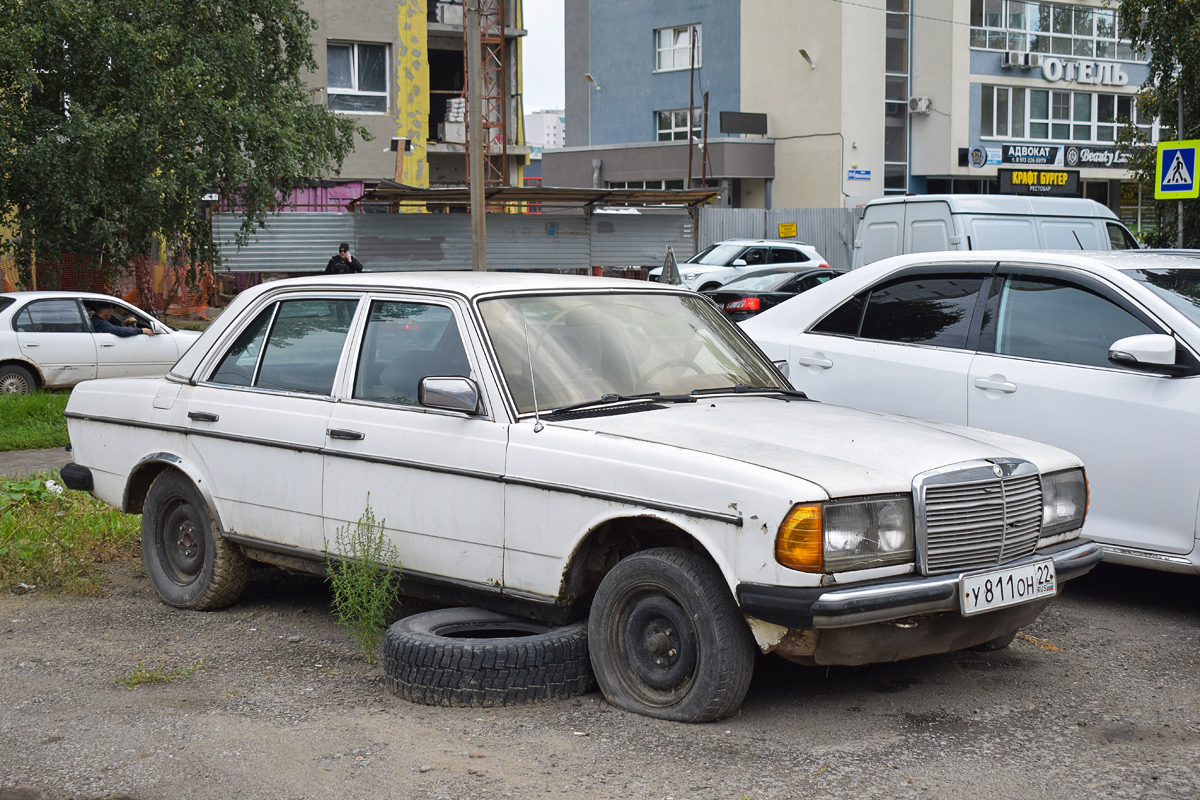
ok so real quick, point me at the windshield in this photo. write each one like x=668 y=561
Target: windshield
x=585 y=346
x=717 y=255
x=1179 y=287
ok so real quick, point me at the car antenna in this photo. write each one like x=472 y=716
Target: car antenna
x=1076 y=235
x=537 y=419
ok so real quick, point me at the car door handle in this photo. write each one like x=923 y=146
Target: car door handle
x=108 y=344
x=203 y=416
x=997 y=383
x=341 y=433
x=813 y=361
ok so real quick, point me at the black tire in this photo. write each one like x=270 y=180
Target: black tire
x=190 y=564
x=999 y=643
x=16 y=380
x=667 y=638
x=708 y=287
x=472 y=657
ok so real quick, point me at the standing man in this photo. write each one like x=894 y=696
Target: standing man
x=343 y=262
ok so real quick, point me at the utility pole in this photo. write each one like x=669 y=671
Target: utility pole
x=476 y=177
x=691 y=99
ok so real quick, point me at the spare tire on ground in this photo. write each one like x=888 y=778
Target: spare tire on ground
x=473 y=657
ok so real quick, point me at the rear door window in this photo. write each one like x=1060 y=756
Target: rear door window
x=294 y=345
x=51 y=316
x=932 y=310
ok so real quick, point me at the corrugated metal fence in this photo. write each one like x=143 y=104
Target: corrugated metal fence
x=304 y=242
x=830 y=230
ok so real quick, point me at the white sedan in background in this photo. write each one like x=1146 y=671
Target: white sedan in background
x=47 y=342
x=1094 y=352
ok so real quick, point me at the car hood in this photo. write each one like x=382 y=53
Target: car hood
x=843 y=450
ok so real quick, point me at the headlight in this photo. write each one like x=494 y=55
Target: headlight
x=687 y=276
x=839 y=536
x=1064 y=502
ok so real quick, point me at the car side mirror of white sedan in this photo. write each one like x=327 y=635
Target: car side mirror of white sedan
x=1145 y=351
x=448 y=394
x=738 y=262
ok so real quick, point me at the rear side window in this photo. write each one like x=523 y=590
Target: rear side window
x=935 y=310
x=5 y=302
x=843 y=320
x=294 y=346
x=782 y=255
x=51 y=316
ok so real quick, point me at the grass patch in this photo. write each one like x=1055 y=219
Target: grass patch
x=52 y=539
x=365 y=577
x=140 y=675
x=29 y=421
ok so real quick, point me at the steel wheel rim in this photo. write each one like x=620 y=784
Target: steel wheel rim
x=658 y=647
x=181 y=543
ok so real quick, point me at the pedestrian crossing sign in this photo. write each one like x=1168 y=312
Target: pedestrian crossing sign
x=1175 y=171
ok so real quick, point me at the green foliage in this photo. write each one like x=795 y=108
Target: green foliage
x=365 y=577
x=140 y=675
x=33 y=420
x=119 y=116
x=51 y=538
x=1170 y=32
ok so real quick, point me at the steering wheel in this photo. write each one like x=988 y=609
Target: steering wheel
x=671 y=362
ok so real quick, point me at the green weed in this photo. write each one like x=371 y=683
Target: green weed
x=29 y=421
x=57 y=540
x=141 y=675
x=365 y=578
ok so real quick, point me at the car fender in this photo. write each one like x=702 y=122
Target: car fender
x=26 y=364
x=705 y=533
x=150 y=467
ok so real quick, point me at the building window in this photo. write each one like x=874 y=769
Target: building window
x=358 y=78
x=1051 y=28
x=1012 y=112
x=673 y=125
x=663 y=184
x=673 y=48
x=895 y=105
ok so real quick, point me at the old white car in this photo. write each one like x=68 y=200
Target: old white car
x=47 y=341
x=559 y=445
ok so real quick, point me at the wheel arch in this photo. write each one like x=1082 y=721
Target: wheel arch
x=149 y=468
x=29 y=366
x=616 y=538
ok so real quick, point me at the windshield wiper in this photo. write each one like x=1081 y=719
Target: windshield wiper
x=609 y=399
x=743 y=388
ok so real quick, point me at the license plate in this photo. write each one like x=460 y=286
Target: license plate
x=1009 y=586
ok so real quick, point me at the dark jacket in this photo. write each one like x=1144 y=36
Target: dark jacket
x=101 y=325
x=337 y=266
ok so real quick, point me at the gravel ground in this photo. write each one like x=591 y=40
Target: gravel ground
x=1098 y=699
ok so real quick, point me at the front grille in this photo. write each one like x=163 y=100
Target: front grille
x=970 y=517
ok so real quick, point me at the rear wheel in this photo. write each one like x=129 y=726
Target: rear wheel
x=708 y=287
x=667 y=639
x=190 y=564
x=16 y=380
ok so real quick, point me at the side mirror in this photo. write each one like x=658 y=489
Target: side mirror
x=449 y=394
x=738 y=262
x=1147 y=351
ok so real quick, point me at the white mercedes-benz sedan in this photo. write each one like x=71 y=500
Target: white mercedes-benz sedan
x=562 y=446
x=48 y=340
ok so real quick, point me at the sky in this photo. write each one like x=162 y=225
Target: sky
x=542 y=54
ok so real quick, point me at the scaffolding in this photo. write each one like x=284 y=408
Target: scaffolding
x=495 y=98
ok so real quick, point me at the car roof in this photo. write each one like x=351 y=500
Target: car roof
x=771 y=242
x=1007 y=204
x=467 y=283
x=56 y=295
x=1097 y=261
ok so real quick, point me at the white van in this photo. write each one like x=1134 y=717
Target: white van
x=918 y=224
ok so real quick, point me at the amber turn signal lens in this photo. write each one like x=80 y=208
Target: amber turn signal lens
x=798 y=544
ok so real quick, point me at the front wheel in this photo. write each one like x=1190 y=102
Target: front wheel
x=190 y=564
x=667 y=639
